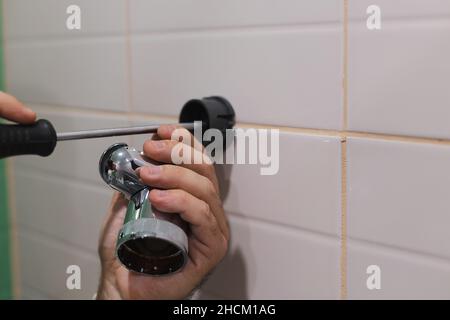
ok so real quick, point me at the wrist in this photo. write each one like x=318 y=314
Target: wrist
x=107 y=289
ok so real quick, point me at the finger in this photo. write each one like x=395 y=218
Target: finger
x=191 y=209
x=12 y=109
x=165 y=130
x=170 y=151
x=177 y=133
x=188 y=156
x=175 y=177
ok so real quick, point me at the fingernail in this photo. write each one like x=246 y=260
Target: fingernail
x=161 y=193
x=152 y=170
x=157 y=144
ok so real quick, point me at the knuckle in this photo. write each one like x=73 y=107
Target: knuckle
x=176 y=170
x=205 y=210
x=215 y=229
x=183 y=198
x=155 y=199
x=220 y=249
x=210 y=189
x=147 y=146
x=167 y=172
x=178 y=173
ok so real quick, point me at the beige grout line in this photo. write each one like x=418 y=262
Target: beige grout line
x=97 y=112
x=344 y=134
x=397 y=138
x=307 y=131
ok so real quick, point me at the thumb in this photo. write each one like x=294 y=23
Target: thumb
x=12 y=109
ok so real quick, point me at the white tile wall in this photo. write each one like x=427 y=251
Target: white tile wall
x=157 y=15
x=398 y=78
x=68 y=210
x=269 y=76
x=28 y=293
x=271 y=262
x=397 y=189
x=310 y=166
x=389 y=194
x=87 y=72
x=279 y=63
x=44 y=262
x=394 y=9
x=403 y=275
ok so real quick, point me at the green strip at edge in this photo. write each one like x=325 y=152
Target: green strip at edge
x=5 y=248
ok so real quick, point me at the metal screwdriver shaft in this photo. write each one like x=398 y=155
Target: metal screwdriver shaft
x=40 y=138
x=114 y=132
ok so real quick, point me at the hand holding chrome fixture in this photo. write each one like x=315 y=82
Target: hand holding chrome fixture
x=153 y=242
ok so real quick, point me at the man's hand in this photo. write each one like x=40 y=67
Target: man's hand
x=13 y=110
x=190 y=190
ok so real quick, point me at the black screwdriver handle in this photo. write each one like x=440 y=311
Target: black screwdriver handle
x=38 y=138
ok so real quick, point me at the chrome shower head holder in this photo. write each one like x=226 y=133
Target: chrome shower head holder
x=150 y=242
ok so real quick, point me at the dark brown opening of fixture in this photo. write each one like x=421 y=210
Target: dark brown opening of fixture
x=151 y=256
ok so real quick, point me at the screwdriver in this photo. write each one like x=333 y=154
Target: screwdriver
x=40 y=138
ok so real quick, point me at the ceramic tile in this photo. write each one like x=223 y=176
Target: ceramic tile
x=394 y=9
x=88 y=73
x=398 y=76
x=44 y=263
x=66 y=210
x=290 y=77
x=268 y=262
x=165 y=15
x=402 y=275
x=304 y=193
x=398 y=194
x=28 y=293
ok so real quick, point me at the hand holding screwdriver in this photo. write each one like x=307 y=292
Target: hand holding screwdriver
x=27 y=137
